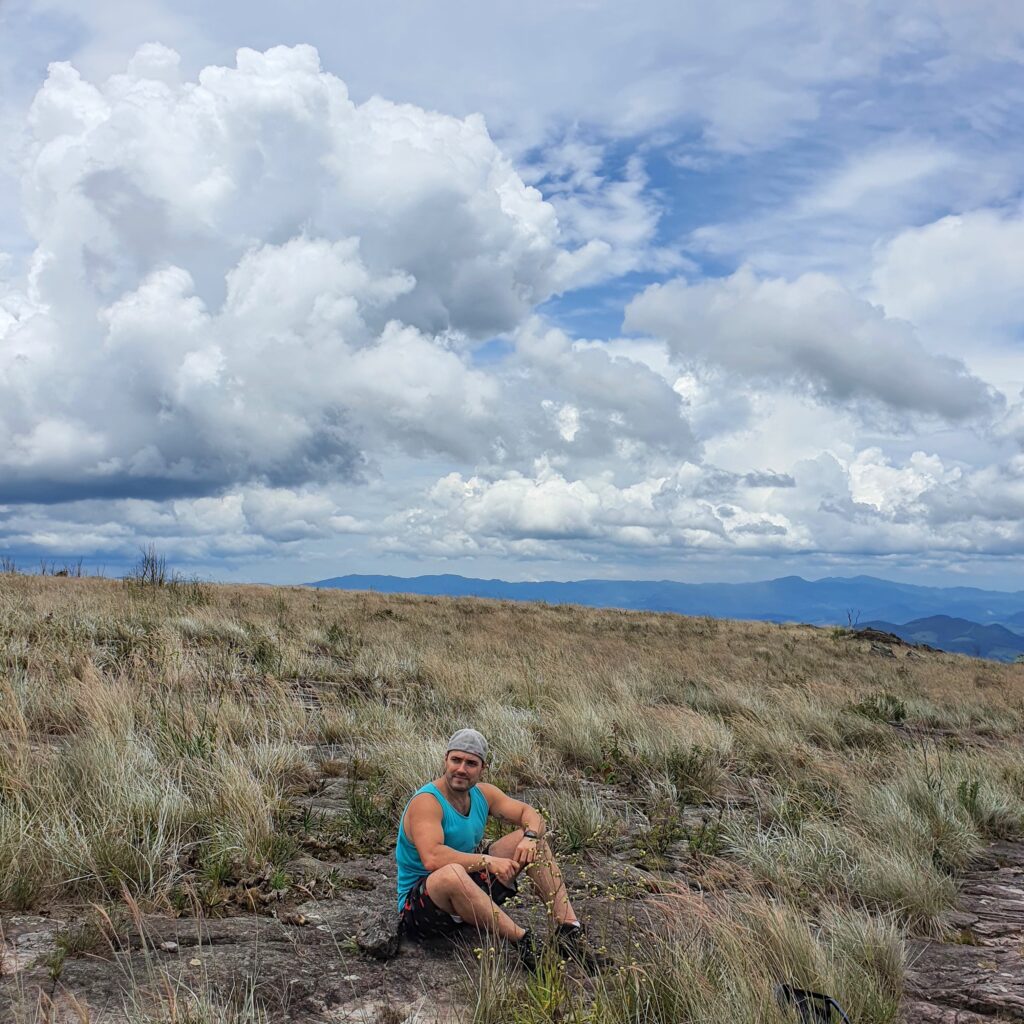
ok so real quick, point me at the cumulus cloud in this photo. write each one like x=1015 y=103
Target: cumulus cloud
x=284 y=382
x=812 y=332
x=145 y=165
x=541 y=511
x=251 y=277
x=599 y=404
x=866 y=504
x=959 y=277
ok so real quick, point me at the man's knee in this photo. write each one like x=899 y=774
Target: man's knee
x=544 y=854
x=450 y=877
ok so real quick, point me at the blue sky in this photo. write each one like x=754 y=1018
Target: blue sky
x=525 y=290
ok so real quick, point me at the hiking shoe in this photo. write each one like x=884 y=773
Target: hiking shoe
x=574 y=945
x=525 y=949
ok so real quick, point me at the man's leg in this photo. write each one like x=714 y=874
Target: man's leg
x=547 y=877
x=544 y=873
x=452 y=890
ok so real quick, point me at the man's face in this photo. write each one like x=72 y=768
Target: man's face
x=462 y=771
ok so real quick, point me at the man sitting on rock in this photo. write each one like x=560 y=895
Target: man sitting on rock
x=447 y=877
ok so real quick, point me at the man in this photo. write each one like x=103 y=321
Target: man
x=446 y=878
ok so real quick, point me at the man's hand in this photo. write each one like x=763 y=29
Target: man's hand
x=504 y=869
x=526 y=852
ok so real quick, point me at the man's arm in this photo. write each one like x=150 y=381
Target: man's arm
x=515 y=812
x=511 y=811
x=423 y=828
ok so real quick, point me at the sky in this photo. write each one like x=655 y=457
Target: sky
x=534 y=291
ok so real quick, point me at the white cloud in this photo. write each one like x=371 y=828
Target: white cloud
x=614 y=400
x=812 y=333
x=958 y=278
x=885 y=174
x=535 y=513
x=139 y=169
x=253 y=324
x=250 y=277
x=613 y=219
x=896 y=489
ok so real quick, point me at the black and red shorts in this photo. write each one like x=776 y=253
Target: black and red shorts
x=421 y=917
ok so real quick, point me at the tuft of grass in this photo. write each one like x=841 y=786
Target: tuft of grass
x=690 y=962
x=370 y=821
x=882 y=707
x=580 y=820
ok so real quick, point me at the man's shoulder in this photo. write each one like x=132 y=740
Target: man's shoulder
x=489 y=792
x=425 y=798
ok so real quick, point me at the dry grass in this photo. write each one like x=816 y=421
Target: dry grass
x=144 y=728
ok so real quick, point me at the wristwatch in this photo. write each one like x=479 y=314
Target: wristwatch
x=530 y=834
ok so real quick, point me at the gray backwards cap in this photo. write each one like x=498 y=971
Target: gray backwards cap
x=469 y=741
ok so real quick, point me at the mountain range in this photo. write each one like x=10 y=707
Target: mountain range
x=959 y=636
x=856 y=600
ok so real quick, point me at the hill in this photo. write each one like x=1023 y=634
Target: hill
x=958 y=636
x=829 y=601
x=200 y=788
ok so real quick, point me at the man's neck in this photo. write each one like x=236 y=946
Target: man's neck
x=460 y=801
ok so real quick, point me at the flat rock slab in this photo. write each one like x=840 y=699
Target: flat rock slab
x=308 y=962
x=313 y=972
x=981 y=977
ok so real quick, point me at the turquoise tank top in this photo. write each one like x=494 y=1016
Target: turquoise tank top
x=462 y=832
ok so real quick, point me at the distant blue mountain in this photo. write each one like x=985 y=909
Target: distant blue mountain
x=830 y=601
x=958 y=636
x=1015 y=622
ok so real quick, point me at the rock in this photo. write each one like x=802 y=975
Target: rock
x=927 y=1013
x=27 y=939
x=378 y=937
x=309 y=867
x=879 y=636
x=977 y=977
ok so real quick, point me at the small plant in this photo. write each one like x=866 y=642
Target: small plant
x=281 y=847
x=191 y=591
x=217 y=869
x=968 y=792
x=695 y=772
x=664 y=831
x=264 y=652
x=86 y=938
x=708 y=838
x=22 y=891
x=55 y=962
x=368 y=824
x=882 y=707
x=190 y=731
x=581 y=821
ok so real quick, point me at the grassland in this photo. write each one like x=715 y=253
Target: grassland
x=807 y=801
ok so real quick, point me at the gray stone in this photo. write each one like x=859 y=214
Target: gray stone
x=378 y=937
